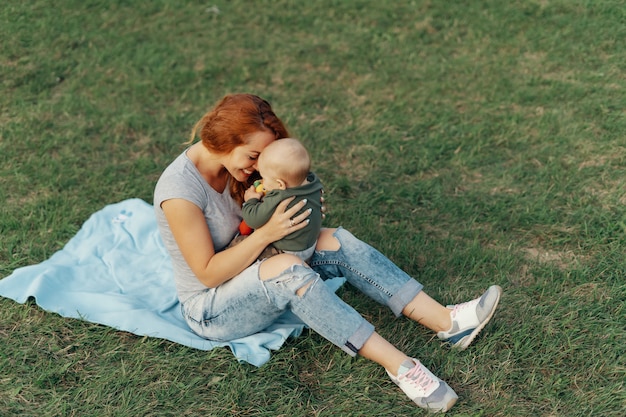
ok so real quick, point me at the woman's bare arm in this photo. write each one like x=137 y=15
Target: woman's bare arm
x=193 y=238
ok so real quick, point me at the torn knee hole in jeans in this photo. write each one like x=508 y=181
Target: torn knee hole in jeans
x=306 y=286
x=299 y=278
x=300 y=285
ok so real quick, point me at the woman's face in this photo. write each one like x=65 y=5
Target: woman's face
x=242 y=161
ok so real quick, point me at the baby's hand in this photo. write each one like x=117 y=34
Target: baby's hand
x=251 y=193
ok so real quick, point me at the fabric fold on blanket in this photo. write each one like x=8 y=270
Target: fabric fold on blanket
x=115 y=271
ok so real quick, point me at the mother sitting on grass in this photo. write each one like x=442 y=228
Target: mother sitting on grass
x=226 y=293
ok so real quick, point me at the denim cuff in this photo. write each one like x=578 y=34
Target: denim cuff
x=358 y=339
x=404 y=296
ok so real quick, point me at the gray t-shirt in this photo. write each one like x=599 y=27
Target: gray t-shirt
x=222 y=213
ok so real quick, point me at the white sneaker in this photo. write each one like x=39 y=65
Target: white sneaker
x=469 y=318
x=424 y=388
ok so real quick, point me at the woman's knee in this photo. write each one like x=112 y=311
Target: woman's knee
x=277 y=264
x=327 y=241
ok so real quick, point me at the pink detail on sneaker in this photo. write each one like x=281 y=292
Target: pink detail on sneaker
x=457 y=308
x=421 y=378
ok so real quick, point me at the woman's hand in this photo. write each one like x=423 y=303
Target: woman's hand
x=284 y=221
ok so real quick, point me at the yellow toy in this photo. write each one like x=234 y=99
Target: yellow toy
x=258 y=187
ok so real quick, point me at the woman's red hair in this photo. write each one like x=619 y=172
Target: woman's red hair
x=227 y=125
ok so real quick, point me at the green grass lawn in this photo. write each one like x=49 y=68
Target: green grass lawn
x=474 y=143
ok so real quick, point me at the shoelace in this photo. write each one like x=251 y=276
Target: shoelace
x=417 y=376
x=459 y=307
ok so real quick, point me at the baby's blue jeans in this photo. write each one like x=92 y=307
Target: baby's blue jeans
x=246 y=304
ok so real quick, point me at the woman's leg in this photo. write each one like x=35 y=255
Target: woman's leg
x=237 y=308
x=321 y=308
x=339 y=253
x=424 y=310
x=374 y=347
x=291 y=284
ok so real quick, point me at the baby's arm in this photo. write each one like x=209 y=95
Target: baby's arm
x=256 y=212
x=252 y=196
x=251 y=193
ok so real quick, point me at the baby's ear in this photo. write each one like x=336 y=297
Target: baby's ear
x=281 y=184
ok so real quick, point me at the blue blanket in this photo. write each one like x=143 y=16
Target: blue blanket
x=116 y=272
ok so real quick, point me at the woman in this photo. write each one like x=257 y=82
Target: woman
x=226 y=293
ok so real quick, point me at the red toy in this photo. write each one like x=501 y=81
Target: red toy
x=244 y=229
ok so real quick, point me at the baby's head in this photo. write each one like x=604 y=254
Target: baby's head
x=283 y=164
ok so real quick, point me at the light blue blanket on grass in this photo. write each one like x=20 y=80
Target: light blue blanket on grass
x=117 y=272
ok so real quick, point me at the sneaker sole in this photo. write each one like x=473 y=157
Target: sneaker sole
x=465 y=342
x=448 y=406
x=440 y=410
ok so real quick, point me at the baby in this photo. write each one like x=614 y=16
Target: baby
x=285 y=167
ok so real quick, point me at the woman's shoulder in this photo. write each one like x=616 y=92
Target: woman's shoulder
x=180 y=180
